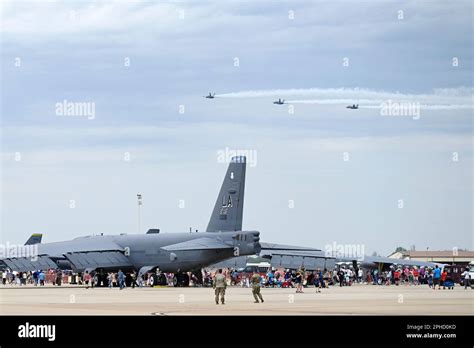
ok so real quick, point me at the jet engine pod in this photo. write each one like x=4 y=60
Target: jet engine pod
x=173 y=257
x=64 y=264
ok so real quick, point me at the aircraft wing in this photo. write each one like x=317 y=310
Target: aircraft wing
x=81 y=254
x=285 y=252
x=390 y=261
x=98 y=259
x=204 y=243
x=22 y=264
x=285 y=256
x=274 y=246
x=89 y=254
x=283 y=259
x=295 y=257
x=272 y=249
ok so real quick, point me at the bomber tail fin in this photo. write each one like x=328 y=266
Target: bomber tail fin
x=34 y=239
x=228 y=210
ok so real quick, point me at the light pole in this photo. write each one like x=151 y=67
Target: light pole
x=139 y=197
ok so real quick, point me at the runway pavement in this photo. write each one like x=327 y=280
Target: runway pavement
x=356 y=299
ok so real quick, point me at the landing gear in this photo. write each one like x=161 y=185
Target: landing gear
x=162 y=280
x=196 y=278
x=181 y=280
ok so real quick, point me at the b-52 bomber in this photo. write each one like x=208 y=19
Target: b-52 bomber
x=168 y=252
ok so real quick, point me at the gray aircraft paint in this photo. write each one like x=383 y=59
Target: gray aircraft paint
x=227 y=214
x=34 y=239
x=170 y=252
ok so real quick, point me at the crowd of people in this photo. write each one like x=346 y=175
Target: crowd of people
x=36 y=278
x=346 y=276
x=282 y=278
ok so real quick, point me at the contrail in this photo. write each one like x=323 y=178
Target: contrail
x=377 y=104
x=327 y=92
x=427 y=107
x=439 y=99
x=333 y=101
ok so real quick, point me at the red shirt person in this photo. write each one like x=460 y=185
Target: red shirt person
x=443 y=276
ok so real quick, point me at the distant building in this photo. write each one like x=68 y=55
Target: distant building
x=451 y=257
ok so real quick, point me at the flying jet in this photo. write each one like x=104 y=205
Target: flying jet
x=210 y=96
x=279 y=101
x=169 y=252
x=353 y=106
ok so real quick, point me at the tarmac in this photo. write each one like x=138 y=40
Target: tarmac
x=352 y=300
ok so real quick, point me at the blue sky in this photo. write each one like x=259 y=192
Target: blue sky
x=180 y=51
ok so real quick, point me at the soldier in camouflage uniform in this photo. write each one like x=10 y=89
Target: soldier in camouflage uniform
x=219 y=286
x=256 y=288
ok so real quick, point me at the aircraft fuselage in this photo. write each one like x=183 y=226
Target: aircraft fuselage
x=150 y=249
